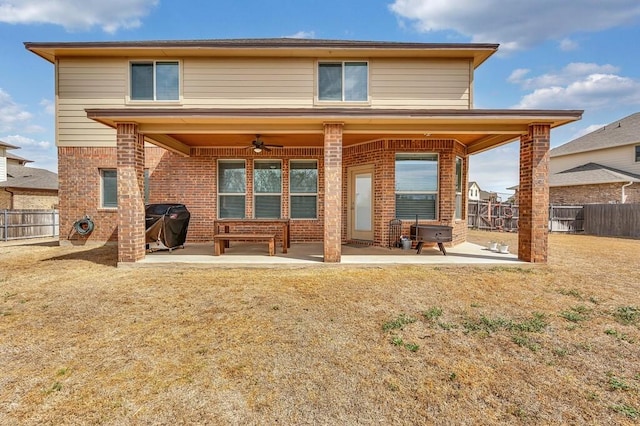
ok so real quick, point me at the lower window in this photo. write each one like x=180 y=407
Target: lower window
x=416 y=186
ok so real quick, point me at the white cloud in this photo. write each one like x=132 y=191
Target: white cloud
x=567 y=45
x=49 y=106
x=77 y=15
x=12 y=115
x=516 y=24
x=302 y=34
x=23 y=141
x=570 y=73
x=593 y=91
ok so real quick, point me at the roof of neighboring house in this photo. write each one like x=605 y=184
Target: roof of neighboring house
x=621 y=132
x=591 y=174
x=17 y=158
x=29 y=178
x=269 y=46
x=8 y=145
x=473 y=182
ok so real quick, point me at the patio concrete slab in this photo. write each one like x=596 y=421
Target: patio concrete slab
x=311 y=253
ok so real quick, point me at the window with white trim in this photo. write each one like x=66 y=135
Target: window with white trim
x=343 y=81
x=637 y=153
x=303 y=189
x=155 y=81
x=232 y=189
x=416 y=186
x=267 y=189
x=109 y=188
x=458 y=212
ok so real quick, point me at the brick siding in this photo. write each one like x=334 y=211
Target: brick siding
x=594 y=194
x=192 y=181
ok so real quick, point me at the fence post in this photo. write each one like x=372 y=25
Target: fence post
x=6 y=224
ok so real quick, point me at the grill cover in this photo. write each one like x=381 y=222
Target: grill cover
x=166 y=225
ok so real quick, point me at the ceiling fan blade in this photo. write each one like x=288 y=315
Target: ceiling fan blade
x=266 y=147
x=274 y=146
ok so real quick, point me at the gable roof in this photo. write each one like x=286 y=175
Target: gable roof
x=591 y=174
x=8 y=145
x=478 y=52
x=29 y=178
x=621 y=132
x=17 y=158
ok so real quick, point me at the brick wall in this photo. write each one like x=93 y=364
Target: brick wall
x=192 y=181
x=382 y=155
x=5 y=199
x=593 y=194
x=35 y=199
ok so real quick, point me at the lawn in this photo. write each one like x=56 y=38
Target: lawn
x=83 y=342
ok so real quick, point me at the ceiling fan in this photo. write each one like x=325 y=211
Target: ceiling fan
x=258 y=145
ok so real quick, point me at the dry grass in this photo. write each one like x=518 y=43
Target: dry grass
x=82 y=342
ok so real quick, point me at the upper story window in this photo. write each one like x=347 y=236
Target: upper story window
x=637 y=153
x=155 y=81
x=343 y=81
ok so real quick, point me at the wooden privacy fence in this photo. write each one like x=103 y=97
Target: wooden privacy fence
x=617 y=220
x=621 y=220
x=566 y=219
x=23 y=224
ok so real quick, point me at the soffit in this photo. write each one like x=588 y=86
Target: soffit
x=479 y=130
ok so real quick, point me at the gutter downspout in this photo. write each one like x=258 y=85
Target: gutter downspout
x=624 y=196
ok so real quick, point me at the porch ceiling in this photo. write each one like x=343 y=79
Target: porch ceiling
x=179 y=129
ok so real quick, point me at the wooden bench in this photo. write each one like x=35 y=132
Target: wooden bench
x=220 y=239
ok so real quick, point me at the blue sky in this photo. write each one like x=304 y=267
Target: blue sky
x=569 y=54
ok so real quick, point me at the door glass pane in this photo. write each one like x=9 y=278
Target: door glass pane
x=330 y=82
x=355 y=81
x=142 y=82
x=167 y=81
x=363 y=202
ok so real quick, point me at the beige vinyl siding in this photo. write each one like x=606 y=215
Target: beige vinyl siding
x=3 y=165
x=420 y=83
x=252 y=82
x=87 y=83
x=621 y=157
x=248 y=83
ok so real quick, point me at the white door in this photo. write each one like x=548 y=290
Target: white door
x=361 y=203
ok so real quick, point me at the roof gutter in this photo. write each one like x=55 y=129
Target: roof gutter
x=624 y=196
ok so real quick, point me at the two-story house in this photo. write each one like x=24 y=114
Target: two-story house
x=600 y=167
x=340 y=137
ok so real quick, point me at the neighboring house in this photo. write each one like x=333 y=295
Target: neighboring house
x=361 y=133
x=514 y=198
x=25 y=188
x=600 y=167
x=477 y=194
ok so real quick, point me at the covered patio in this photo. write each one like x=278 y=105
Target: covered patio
x=341 y=140
x=309 y=254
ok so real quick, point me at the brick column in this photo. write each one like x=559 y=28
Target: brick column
x=332 y=192
x=130 y=157
x=533 y=229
